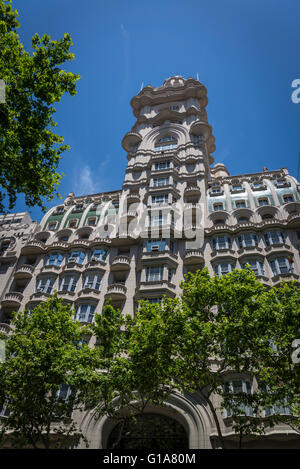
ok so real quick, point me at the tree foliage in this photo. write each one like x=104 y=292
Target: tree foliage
x=45 y=351
x=220 y=331
x=134 y=359
x=229 y=328
x=29 y=149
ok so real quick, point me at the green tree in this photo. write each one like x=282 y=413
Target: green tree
x=134 y=358
x=224 y=329
x=46 y=356
x=29 y=149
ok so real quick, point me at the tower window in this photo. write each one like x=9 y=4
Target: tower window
x=240 y=204
x=162 y=165
x=237 y=187
x=167 y=142
x=288 y=198
x=262 y=202
x=218 y=207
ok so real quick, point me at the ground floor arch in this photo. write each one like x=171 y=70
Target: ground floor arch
x=149 y=431
x=180 y=421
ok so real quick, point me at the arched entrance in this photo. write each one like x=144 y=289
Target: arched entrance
x=149 y=431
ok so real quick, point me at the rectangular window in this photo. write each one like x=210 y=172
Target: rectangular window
x=99 y=254
x=221 y=242
x=237 y=387
x=160 y=199
x=223 y=268
x=263 y=202
x=158 y=220
x=4 y=412
x=218 y=207
x=154 y=274
x=45 y=285
x=85 y=313
x=55 y=259
x=256 y=265
x=68 y=283
x=237 y=187
x=92 y=281
x=77 y=257
x=288 y=198
x=52 y=225
x=247 y=240
x=156 y=245
x=92 y=221
x=281 y=265
x=162 y=165
x=170 y=274
x=274 y=237
x=216 y=190
x=64 y=392
x=240 y=204
x=160 y=182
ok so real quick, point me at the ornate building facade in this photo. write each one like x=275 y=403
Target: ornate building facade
x=176 y=212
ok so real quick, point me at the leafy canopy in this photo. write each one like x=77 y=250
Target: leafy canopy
x=29 y=149
x=45 y=351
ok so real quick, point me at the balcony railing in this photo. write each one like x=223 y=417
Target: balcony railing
x=5 y=328
x=116 y=291
x=120 y=263
x=13 y=299
x=24 y=271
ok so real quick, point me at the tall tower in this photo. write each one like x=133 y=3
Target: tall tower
x=170 y=139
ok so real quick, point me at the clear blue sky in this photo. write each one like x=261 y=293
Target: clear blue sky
x=246 y=52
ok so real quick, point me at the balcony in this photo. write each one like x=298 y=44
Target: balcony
x=79 y=243
x=24 y=271
x=133 y=198
x=192 y=190
x=189 y=206
x=8 y=254
x=99 y=241
x=39 y=295
x=159 y=287
x=284 y=277
x=130 y=140
x=280 y=247
x=223 y=252
x=72 y=265
x=59 y=245
x=51 y=268
x=12 y=300
x=116 y=291
x=148 y=257
x=5 y=328
x=192 y=257
x=33 y=247
x=120 y=263
x=89 y=294
x=294 y=219
x=201 y=127
x=249 y=249
x=95 y=264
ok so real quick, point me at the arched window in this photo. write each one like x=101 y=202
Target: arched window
x=167 y=142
